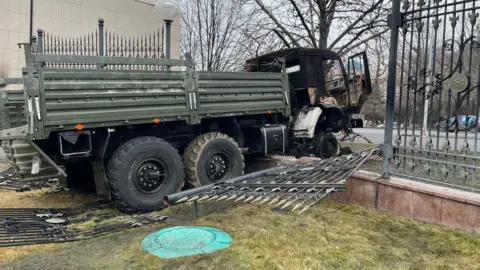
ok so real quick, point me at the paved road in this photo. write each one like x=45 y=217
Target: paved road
x=377 y=136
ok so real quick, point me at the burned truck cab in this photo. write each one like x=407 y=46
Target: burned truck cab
x=325 y=94
x=318 y=78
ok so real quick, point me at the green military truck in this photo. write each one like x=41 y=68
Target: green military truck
x=137 y=131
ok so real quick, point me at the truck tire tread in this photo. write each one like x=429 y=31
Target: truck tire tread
x=117 y=160
x=193 y=151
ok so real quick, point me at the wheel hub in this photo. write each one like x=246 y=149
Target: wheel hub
x=217 y=167
x=150 y=176
x=327 y=147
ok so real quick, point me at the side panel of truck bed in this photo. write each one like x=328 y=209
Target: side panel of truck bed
x=96 y=98
x=241 y=93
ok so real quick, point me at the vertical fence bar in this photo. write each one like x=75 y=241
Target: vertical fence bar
x=34 y=40
x=168 y=24
x=101 y=39
x=41 y=41
x=395 y=23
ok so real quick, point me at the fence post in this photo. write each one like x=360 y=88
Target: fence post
x=101 y=40
x=101 y=37
x=41 y=41
x=33 y=48
x=395 y=23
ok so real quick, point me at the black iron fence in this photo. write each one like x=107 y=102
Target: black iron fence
x=101 y=42
x=434 y=93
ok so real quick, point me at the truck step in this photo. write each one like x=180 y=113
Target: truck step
x=20 y=154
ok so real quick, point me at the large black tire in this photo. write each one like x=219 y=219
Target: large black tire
x=212 y=157
x=326 y=145
x=142 y=171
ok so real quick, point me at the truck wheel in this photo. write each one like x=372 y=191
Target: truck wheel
x=326 y=145
x=212 y=157
x=142 y=171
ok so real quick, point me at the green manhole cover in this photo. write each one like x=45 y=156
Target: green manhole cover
x=185 y=241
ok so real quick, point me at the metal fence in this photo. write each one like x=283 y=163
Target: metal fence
x=433 y=93
x=102 y=42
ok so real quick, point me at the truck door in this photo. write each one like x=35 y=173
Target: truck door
x=335 y=81
x=360 y=85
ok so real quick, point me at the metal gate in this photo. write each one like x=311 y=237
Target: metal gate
x=433 y=93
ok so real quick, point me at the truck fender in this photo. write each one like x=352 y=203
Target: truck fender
x=306 y=122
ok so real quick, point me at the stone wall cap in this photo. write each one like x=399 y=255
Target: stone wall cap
x=425 y=188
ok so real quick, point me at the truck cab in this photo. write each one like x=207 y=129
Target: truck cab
x=319 y=77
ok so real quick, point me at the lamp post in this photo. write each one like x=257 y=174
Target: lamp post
x=168 y=10
x=31 y=23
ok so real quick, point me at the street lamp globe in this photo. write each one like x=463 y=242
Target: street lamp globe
x=167 y=9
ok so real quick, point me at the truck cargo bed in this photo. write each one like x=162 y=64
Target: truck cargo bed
x=100 y=98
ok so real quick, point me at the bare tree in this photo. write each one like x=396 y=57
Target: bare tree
x=214 y=33
x=339 y=25
x=374 y=108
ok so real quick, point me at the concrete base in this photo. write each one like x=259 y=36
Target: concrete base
x=416 y=200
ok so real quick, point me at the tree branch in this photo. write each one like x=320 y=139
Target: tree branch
x=312 y=38
x=279 y=25
x=282 y=38
x=352 y=25
x=345 y=49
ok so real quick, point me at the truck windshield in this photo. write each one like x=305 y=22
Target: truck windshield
x=333 y=75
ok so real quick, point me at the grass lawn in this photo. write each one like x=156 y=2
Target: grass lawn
x=329 y=236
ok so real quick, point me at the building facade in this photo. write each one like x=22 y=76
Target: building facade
x=74 y=19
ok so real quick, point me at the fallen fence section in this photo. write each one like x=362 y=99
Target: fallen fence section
x=33 y=226
x=298 y=186
x=9 y=181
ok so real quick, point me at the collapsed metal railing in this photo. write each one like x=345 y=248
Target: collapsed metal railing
x=9 y=180
x=33 y=226
x=299 y=186
x=352 y=136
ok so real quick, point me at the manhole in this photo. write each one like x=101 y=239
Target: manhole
x=185 y=241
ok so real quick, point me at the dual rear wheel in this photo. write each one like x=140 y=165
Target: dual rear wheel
x=212 y=157
x=144 y=170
